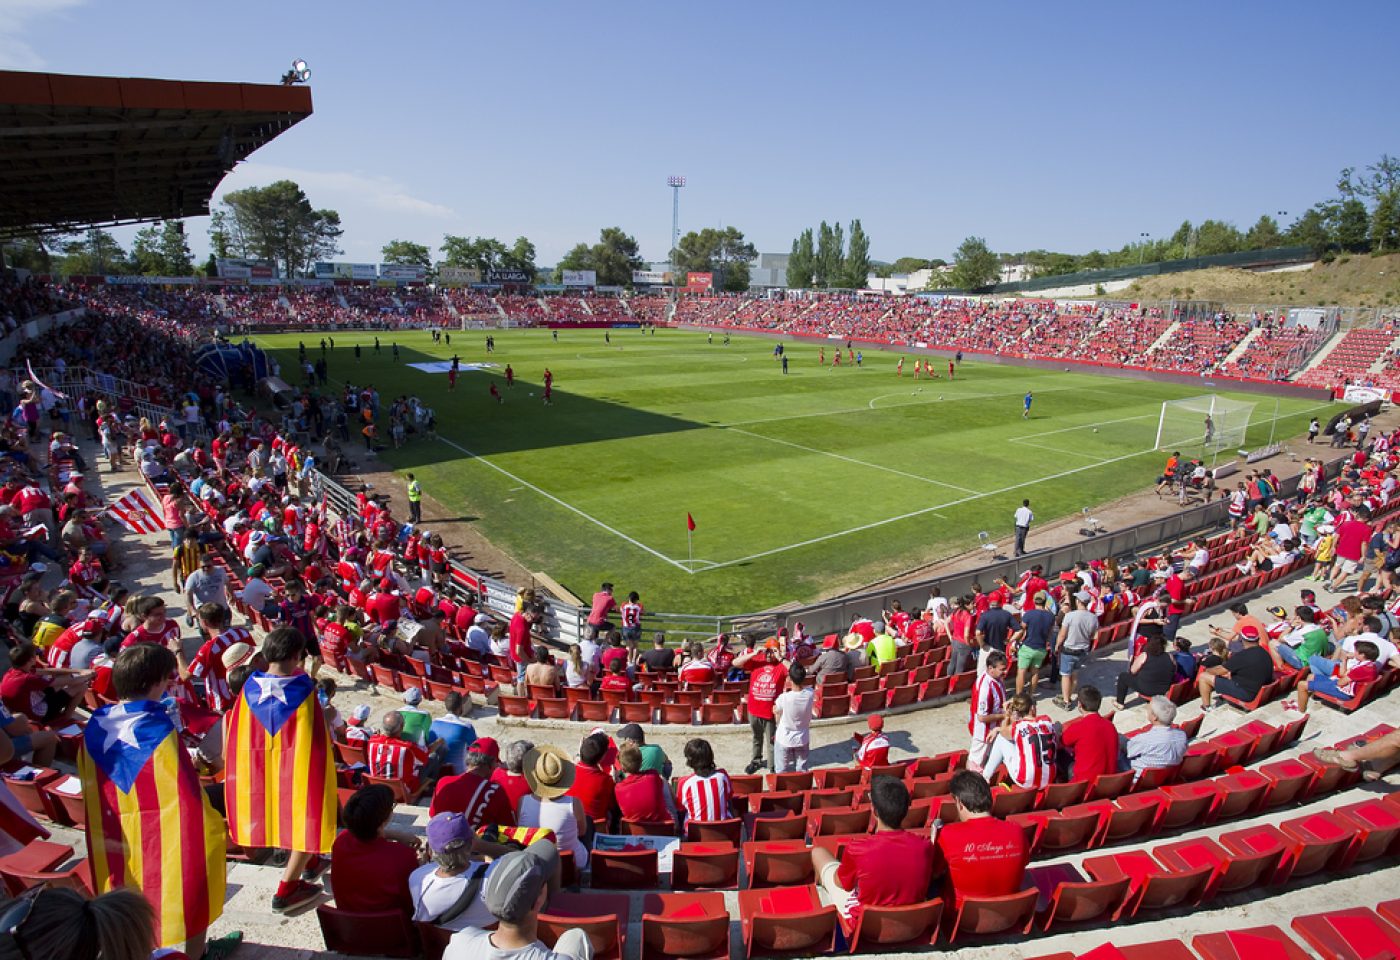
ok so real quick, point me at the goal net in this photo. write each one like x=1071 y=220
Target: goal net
x=1208 y=422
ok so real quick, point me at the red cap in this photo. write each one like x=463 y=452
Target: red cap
x=830 y=641
x=486 y=745
x=876 y=722
x=1250 y=632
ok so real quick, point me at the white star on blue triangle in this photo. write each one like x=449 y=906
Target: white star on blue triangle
x=273 y=700
x=121 y=738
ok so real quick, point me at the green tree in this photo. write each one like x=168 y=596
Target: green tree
x=28 y=253
x=1350 y=223
x=908 y=265
x=483 y=253
x=723 y=252
x=520 y=256
x=407 y=252
x=615 y=256
x=95 y=252
x=1312 y=230
x=826 y=267
x=1264 y=234
x=857 y=263
x=1215 y=237
x=175 y=255
x=278 y=223
x=974 y=265
x=220 y=236
x=145 y=251
x=1385 y=222
x=801 y=261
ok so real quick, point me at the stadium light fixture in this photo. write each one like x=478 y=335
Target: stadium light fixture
x=675 y=181
x=300 y=73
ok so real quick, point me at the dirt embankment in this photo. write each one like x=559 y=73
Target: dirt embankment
x=1356 y=280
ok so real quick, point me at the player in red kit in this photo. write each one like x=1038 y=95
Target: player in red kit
x=496 y=393
x=510 y=376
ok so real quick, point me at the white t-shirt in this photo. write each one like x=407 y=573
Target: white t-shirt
x=1024 y=516
x=1386 y=648
x=794 y=712
x=476 y=945
x=434 y=895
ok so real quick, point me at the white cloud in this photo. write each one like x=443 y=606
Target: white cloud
x=16 y=16
x=339 y=189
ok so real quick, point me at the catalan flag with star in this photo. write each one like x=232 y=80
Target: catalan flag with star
x=279 y=774
x=149 y=824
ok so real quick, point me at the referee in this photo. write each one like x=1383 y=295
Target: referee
x=415 y=500
x=1023 y=520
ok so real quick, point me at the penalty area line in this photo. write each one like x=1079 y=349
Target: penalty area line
x=566 y=505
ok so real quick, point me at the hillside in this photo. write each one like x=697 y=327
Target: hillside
x=1357 y=280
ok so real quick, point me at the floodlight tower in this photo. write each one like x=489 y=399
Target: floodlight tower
x=675 y=183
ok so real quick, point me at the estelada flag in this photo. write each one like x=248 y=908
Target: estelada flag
x=149 y=824
x=689 y=522
x=279 y=774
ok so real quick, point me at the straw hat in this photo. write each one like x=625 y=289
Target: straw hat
x=853 y=641
x=549 y=772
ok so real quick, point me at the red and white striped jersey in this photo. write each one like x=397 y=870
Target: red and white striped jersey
x=706 y=798
x=631 y=614
x=168 y=636
x=208 y=665
x=873 y=750
x=1035 y=740
x=394 y=759
x=988 y=698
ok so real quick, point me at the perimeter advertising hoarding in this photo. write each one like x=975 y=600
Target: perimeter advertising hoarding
x=580 y=278
x=699 y=282
x=650 y=278
x=402 y=271
x=457 y=276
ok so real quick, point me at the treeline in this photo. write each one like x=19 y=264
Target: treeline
x=827 y=260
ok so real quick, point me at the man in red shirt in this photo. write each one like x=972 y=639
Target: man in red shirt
x=473 y=793
x=1090 y=741
x=391 y=757
x=983 y=856
x=511 y=777
x=603 y=605
x=47 y=695
x=522 y=651
x=641 y=794
x=155 y=626
x=1352 y=535
x=592 y=785
x=1178 y=603
x=891 y=868
x=766 y=680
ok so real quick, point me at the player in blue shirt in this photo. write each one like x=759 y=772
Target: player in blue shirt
x=1026 y=413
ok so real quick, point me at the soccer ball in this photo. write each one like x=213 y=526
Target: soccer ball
x=940 y=396
x=532 y=393
x=1096 y=429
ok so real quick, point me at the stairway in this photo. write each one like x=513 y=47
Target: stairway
x=1240 y=348
x=1164 y=339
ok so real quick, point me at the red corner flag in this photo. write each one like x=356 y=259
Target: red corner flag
x=689 y=522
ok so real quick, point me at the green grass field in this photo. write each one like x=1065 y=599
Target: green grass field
x=800 y=485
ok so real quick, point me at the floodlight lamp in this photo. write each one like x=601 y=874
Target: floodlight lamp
x=300 y=73
x=675 y=181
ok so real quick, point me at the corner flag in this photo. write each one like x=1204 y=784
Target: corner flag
x=689 y=522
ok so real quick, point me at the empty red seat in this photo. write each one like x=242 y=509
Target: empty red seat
x=649 y=828
x=603 y=917
x=1240 y=794
x=1292 y=779
x=1063 y=831
x=623 y=869
x=715 y=831
x=821 y=799
x=1377 y=825
x=976 y=916
x=1356 y=934
x=795 y=781
x=682 y=713
x=1320 y=842
x=1057 y=796
x=594 y=711
x=36 y=857
x=791 y=826
x=510 y=706
x=1107 y=786
x=1152 y=887
x=1232 y=872
x=385 y=933
x=689 y=925
x=1080 y=902
x=836 y=778
x=786 y=922
x=832 y=822
x=705 y=866
x=1009 y=801
x=777 y=801
x=1261 y=838
x=784 y=863
x=834 y=706
x=889 y=928
x=1250 y=944
x=434 y=939
x=1185 y=804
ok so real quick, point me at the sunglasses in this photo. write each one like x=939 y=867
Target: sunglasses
x=15 y=916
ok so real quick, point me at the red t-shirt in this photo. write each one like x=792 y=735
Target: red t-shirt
x=615 y=682
x=984 y=857
x=482 y=801
x=24 y=693
x=512 y=783
x=765 y=683
x=1093 y=741
x=1351 y=537
x=595 y=789
x=521 y=650
x=606 y=658
x=1034 y=585
x=642 y=796
x=1176 y=589
x=888 y=869
x=167 y=636
x=371 y=876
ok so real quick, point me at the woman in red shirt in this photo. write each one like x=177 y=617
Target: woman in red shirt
x=370 y=864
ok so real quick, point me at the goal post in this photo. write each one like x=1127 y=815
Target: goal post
x=1209 y=422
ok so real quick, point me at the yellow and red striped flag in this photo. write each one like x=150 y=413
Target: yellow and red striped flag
x=149 y=824
x=279 y=777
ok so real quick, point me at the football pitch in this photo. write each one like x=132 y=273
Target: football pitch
x=800 y=485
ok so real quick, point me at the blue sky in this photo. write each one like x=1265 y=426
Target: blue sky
x=1066 y=126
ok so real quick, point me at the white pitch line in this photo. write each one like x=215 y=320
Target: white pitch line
x=1050 y=449
x=1084 y=426
x=867 y=408
x=927 y=510
x=566 y=505
x=860 y=463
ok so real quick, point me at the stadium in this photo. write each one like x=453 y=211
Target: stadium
x=723 y=604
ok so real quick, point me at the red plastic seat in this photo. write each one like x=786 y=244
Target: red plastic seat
x=789 y=827
x=1390 y=910
x=975 y=916
x=509 y=706
x=1240 y=794
x=630 y=711
x=1154 y=777
x=1262 y=838
x=1185 y=804
x=1065 y=831
x=1057 y=796
x=795 y=782
x=836 y=778
x=1292 y=780
x=594 y=711
x=1107 y=786
x=786 y=922
x=901 y=696
x=402 y=794
x=715 y=831
x=434 y=939
x=1232 y=872
x=827 y=823
x=623 y=869
x=779 y=801
x=1250 y=944
x=1011 y=801
x=603 y=917
x=782 y=864
x=1152 y=887
x=689 y=925
x=30 y=793
x=838 y=706
x=1377 y=825
x=384 y=933
x=1320 y=842
x=1235 y=748
x=649 y=828
x=682 y=713
x=1356 y=934
x=555 y=708
x=705 y=866
x=746 y=783
x=1202 y=759
x=896 y=770
x=716 y=713
x=385 y=677
x=36 y=857
x=1076 y=902
x=895 y=928
x=1132 y=816
x=822 y=799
